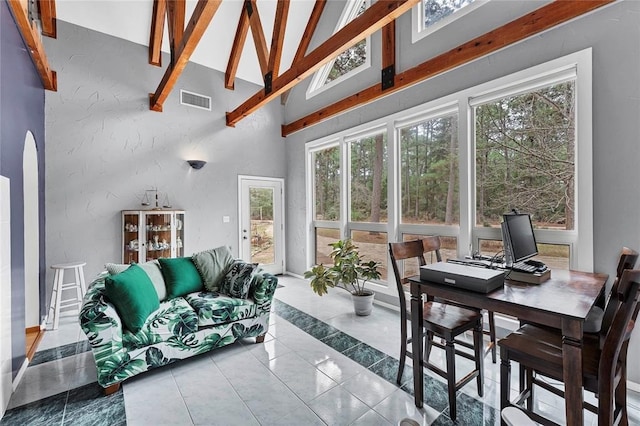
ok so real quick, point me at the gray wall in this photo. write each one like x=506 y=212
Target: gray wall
x=21 y=110
x=613 y=33
x=105 y=147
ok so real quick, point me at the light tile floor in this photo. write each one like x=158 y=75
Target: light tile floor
x=320 y=364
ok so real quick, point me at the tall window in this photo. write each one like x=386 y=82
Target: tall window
x=429 y=172
x=327 y=184
x=525 y=160
x=369 y=179
x=348 y=62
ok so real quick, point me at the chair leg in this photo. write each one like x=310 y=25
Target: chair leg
x=505 y=379
x=428 y=345
x=479 y=355
x=620 y=398
x=529 y=386
x=451 y=377
x=492 y=336
x=403 y=350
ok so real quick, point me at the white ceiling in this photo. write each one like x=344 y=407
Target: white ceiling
x=131 y=20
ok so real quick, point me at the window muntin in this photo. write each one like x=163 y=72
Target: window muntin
x=429 y=172
x=368 y=183
x=327 y=184
x=525 y=157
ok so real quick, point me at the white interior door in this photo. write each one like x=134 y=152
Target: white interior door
x=262 y=222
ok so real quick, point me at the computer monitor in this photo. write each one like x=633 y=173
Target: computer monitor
x=518 y=238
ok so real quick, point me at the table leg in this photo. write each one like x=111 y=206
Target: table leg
x=416 y=343
x=572 y=370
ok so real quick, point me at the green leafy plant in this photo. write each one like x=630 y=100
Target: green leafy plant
x=349 y=272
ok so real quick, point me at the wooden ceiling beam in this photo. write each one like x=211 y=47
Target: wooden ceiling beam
x=374 y=18
x=31 y=36
x=277 y=39
x=388 y=73
x=200 y=20
x=47 y=9
x=236 y=49
x=157 y=32
x=542 y=19
x=176 y=10
x=309 y=30
x=258 y=35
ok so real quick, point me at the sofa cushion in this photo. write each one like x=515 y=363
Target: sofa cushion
x=238 y=279
x=216 y=308
x=212 y=265
x=152 y=268
x=180 y=276
x=133 y=295
x=173 y=322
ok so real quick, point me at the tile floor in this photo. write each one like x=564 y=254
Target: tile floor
x=320 y=364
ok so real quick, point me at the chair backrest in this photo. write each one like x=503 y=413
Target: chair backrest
x=409 y=250
x=614 y=350
x=627 y=260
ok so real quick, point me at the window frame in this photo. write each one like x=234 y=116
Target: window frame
x=579 y=240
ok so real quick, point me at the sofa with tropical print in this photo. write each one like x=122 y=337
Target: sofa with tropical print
x=182 y=327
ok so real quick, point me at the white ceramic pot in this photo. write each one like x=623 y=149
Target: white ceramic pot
x=362 y=305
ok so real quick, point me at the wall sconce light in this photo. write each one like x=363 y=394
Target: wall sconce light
x=197 y=164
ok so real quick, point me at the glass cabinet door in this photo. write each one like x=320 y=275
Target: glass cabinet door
x=179 y=226
x=158 y=235
x=131 y=242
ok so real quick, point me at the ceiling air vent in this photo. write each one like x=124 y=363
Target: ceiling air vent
x=195 y=100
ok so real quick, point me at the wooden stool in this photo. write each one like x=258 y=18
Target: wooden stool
x=59 y=285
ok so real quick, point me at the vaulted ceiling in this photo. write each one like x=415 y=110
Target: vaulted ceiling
x=215 y=33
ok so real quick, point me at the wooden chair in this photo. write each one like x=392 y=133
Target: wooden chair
x=539 y=351
x=432 y=244
x=439 y=319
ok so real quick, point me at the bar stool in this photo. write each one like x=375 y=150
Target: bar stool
x=59 y=285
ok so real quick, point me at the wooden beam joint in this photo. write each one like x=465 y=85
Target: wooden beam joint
x=249 y=7
x=268 y=79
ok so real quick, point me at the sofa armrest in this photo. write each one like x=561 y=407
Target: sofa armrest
x=100 y=321
x=263 y=287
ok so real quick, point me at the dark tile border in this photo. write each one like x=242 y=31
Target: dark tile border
x=470 y=410
x=60 y=352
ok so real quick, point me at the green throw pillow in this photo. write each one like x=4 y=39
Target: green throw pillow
x=212 y=265
x=180 y=276
x=133 y=295
x=238 y=279
x=152 y=268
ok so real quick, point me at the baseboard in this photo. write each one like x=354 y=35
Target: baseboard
x=20 y=374
x=633 y=386
x=294 y=275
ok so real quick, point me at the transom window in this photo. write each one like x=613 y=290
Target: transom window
x=431 y=15
x=349 y=62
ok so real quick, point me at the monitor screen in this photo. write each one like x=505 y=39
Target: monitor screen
x=519 y=233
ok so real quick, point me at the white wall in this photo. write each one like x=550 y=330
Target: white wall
x=614 y=35
x=105 y=147
x=5 y=294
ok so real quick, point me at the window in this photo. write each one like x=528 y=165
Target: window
x=368 y=185
x=431 y=15
x=349 y=62
x=429 y=171
x=327 y=184
x=452 y=167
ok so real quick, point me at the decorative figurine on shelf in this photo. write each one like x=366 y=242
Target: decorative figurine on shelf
x=156 y=246
x=179 y=242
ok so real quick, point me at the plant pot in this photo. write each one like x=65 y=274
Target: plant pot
x=362 y=304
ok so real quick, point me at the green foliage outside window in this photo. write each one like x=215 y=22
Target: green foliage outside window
x=525 y=157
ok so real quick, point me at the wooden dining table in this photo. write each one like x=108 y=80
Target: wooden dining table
x=562 y=302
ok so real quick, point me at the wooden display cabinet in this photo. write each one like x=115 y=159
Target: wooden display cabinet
x=152 y=234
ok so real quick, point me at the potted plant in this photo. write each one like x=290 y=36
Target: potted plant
x=349 y=272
